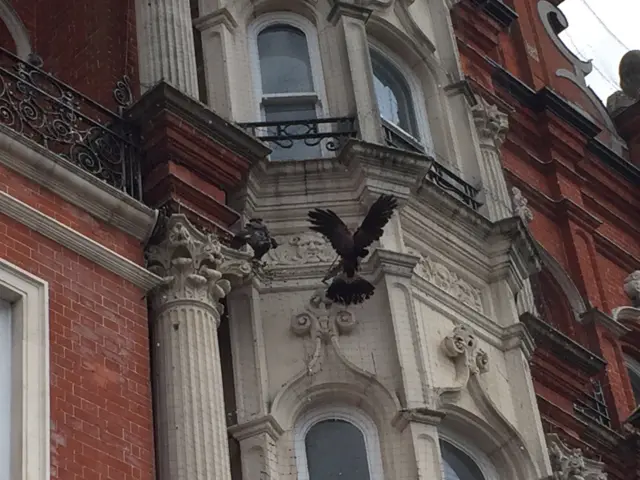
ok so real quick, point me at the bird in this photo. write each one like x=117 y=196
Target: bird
x=257 y=236
x=347 y=287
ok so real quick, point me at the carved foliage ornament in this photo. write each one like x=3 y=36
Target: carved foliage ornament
x=632 y=288
x=195 y=267
x=302 y=249
x=521 y=206
x=569 y=463
x=462 y=344
x=443 y=278
x=492 y=124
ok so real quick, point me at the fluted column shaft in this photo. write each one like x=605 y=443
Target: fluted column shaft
x=190 y=420
x=165 y=44
x=492 y=126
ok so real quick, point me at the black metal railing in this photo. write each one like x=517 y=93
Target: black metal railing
x=37 y=106
x=303 y=139
x=454 y=185
x=397 y=139
x=594 y=406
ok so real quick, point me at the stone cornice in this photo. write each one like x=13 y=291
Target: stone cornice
x=267 y=424
x=78 y=243
x=594 y=315
x=217 y=17
x=517 y=336
x=75 y=185
x=559 y=344
x=614 y=161
x=393 y=263
x=424 y=416
x=346 y=9
x=497 y=10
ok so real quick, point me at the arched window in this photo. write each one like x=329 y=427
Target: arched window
x=457 y=465
x=399 y=102
x=336 y=443
x=633 y=369
x=288 y=81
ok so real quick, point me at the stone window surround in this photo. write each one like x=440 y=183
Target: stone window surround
x=308 y=28
x=417 y=93
x=28 y=296
x=483 y=462
x=633 y=367
x=351 y=415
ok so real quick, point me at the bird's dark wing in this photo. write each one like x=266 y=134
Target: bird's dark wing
x=372 y=226
x=240 y=239
x=333 y=228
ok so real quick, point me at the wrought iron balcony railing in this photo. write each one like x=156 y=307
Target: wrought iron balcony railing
x=438 y=174
x=594 y=406
x=303 y=139
x=36 y=105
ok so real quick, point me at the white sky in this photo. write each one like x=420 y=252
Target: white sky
x=602 y=31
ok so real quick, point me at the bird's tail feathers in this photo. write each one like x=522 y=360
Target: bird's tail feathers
x=350 y=291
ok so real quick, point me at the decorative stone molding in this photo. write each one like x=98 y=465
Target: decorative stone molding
x=322 y=321
x=462 y=343
x=442 y=277
x=302 y=249
x=569 y=463
x=491 y=123
x=192 y=266
x=632 y=288
x=521 y=206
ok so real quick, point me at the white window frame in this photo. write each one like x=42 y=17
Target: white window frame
x=311 y=34
x=30 y=427
x=355 y=418
x=483 y=462
x=417 y=97
x=632 y=365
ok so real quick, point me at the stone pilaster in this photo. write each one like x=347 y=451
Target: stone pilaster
x=492 y=127
x=351 y=20
x=191 y=429
x=165 y=44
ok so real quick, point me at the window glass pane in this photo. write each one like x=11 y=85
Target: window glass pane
x=5 y=388
x=634 y=375
x=393 y=95
x=336 y=450
x=457 y=465
x=284 y=60
x=287 y=148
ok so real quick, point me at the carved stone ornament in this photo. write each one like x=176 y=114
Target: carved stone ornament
x=521 y=205
x=462 y=343
x=443 y=278
x=195 y=267
x=632 y=288
x=302 y=249
x=569 y=463
x=323 y=322
x=492 y=124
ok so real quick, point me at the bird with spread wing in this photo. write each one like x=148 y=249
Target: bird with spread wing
x=347 y=287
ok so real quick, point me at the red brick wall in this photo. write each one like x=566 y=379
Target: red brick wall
x=88 y=44
x=100 y=379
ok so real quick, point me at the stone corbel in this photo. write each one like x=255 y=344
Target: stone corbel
x=570 y=464
x=221 y=16
x=462 y=347
x=424 y=416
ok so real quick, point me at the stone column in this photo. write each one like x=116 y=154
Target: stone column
x=351 y=20
x=492 y=127
x=165 y=45
x=191 y=429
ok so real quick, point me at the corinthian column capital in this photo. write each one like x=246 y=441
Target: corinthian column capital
x=195 y=267
x=492 y=124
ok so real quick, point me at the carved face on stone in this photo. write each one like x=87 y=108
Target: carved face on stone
x=632 y=287
x=309 y=246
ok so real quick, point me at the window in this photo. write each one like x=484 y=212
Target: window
x=24 y=385
x=457 y=465
x=336 y=443
x=404 y=122
x=5 y=389
x=633 y=368
x=289 y=83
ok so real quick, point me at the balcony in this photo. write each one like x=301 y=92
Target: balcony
x=438 y=174
x=593 y=406
x=303 y=139
x=39 y=107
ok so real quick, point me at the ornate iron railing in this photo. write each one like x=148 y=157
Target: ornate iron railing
x=594 y=406
x=303 y=139
x=36 y=105
x=394 y=138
